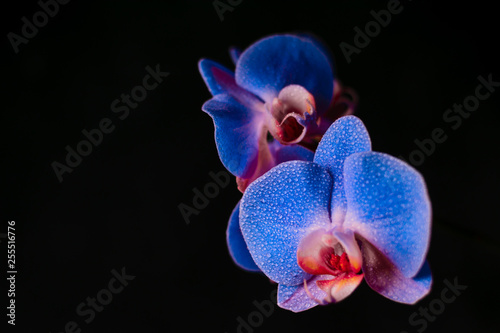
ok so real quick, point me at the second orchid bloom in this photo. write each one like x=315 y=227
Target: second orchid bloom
x=319 y=228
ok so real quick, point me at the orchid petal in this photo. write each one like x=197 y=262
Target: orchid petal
x=275 y=62
x=238 y=133
x=345 y=136
x=236 y=243
x=383 y=277
x=297 y=298
x=276 y=211
x=283 y=153
x=389 y=206
x=340 y=287
x=220 y=80
x=276 y=154
x=216 y=76
x=321 y=45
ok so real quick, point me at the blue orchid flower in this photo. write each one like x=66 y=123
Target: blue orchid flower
x=319 y=228
x=282 y=88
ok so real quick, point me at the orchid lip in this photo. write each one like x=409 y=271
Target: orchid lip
x=291 y=114
x=335 y=254
x=329 y=252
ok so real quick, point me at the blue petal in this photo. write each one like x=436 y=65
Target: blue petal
x=276 y=211
x=345 y=137
x=275 y=62
x=383 y=277
x=236 y=244
x=216 y=76
x=320 y=45
x=238 y=130
x=388 y=205
x=220 y=80
x=283 y=153
x=296 y=299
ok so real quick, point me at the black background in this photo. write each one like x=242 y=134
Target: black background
x=119 y=207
